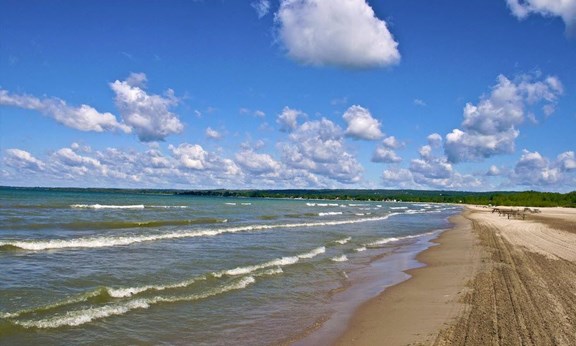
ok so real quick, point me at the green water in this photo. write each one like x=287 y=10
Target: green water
x=115 y=267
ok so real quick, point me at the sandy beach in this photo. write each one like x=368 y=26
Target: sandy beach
x=491 y=280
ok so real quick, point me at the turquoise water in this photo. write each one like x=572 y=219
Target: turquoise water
x=110 y=267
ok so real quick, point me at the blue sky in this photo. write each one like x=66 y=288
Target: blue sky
x=476 y=95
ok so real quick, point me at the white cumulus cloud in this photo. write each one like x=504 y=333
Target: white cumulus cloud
x=21 y=159
x=535 y=170
x=385 y=152
x=83 y=118
x=392 y=143
x=335 y=32
x=385 y=155
x=566 y=9
x=431 y=171
x=493 y=171
x=262 y=7
x=567 y=161
x=258 y=164
x=435 y=140
x=491 y=127
x=191 y=156
x=187 y=165
x=288 y=119
x=213 y=134
x=361 y=124
x=149 y=115
x=318 y=147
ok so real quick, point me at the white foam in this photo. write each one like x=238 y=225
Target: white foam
x=83 y=316
x=395 y=239
x=97 y=242
x=343 y=241
x=360 y=249
x=79 y=317
x=168 y=206
x=130 y=291
x=243 y=270
x=398 y=208
x=126 y=292
x=104 y=206
x=329 y=213
x=278 y=263
x=273 y=271
x=342 y=258
x=383 y=241
x=313 y=253
x=322 y=204
x=72 y=300
x=284 y=261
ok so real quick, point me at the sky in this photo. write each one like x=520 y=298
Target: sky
x=272 y=94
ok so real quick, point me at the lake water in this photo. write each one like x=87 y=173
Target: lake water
x=118 y=267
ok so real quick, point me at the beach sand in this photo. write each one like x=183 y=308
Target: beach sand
x=490 y=281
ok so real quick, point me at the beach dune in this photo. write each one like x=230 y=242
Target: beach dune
x=490 y=281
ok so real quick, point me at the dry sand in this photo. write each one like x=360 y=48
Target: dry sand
x=491 y=281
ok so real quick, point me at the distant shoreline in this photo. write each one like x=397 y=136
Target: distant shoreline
x=501 y=198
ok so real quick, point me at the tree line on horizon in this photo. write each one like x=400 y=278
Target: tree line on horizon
x=502 y=198
x=495 y=198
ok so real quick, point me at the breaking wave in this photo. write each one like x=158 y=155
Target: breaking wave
x=99 y=242
x=280 y=262
x=104 y=206
x=343 y=241
x=83 y=316
x=341 y=258
x=384 y=241
x=116 y=303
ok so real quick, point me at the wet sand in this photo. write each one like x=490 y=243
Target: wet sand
x=490 y=281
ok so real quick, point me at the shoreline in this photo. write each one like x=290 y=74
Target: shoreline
x=386 y=271
x=415 y=309
x=491 y=280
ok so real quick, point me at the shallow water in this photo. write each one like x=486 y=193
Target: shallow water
x=86 y=267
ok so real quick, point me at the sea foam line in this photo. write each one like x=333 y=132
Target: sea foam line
x=105 y=206
x=98 y=242
x=395 y=239
x=83 y=316
x=272 y=267
x=128 y=206
x=279 y=262
x=330 y=213
x=130 y=291
x=69 y=301
x=341 y=258
x=343 y=241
